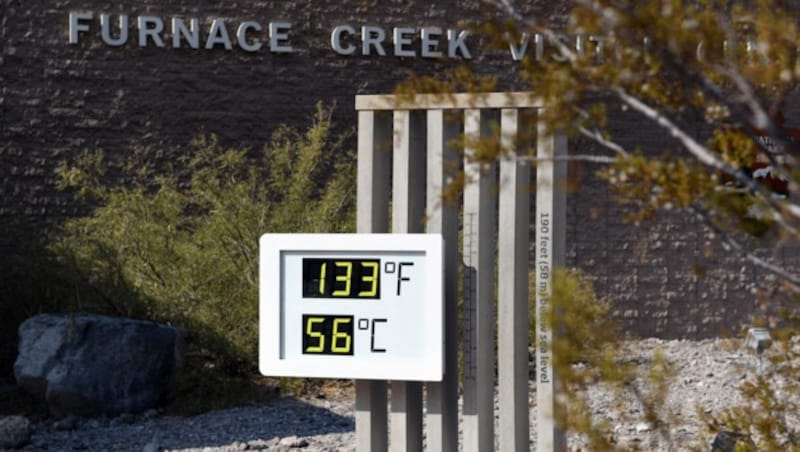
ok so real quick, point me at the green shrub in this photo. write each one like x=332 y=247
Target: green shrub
x=181 y=246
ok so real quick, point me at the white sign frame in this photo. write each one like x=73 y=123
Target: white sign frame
x=430 y=367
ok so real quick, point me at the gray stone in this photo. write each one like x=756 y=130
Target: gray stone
x=87 y=365
x=15 y=431
x=66 y=424
x=151 y=447
x=731 y=441
x=123 y=419
x=263 y=443
x=294 y=442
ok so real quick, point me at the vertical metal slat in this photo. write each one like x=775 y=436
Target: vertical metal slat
x=550 y=225
x=442 y=217
x=479 y=249
x=514 y=215
x=372 y=211
x=408 y=209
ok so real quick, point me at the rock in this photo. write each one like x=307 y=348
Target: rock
x=15 y=432
x=66 y=424
x=123 y=419
x=151 y=447
x=87 y=365
x=98 y=422
x=728 y=442
x=293 y=442
x=263 y=444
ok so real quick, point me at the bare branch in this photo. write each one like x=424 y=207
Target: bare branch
x=744 y=106
x=732 y=245
x=693 y=146
x=597 y=137
x=532 y=24
x=708 y=158
x=759 y=117
x=567 y=158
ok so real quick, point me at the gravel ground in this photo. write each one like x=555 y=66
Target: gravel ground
x=708 y=375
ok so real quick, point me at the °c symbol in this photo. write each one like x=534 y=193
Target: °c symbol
x=372 y=339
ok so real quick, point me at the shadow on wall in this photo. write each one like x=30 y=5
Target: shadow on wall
x=34 y=280
x=668 y=277
x=695 y=287
x=28 y=283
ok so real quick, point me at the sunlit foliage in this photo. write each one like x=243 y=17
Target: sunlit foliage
x=180 y=245
x=713 y=81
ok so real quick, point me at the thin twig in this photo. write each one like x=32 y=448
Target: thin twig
x=731 y=244
x=565 y=158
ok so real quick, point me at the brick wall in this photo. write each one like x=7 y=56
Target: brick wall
x=59 y=100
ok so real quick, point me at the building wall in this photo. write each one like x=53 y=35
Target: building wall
x=59 y=100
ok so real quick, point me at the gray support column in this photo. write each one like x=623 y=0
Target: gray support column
x=408 y=211
x=442 y=215
x=550 y=224
x=479 y=250
x=512 y=279
x=374 y=146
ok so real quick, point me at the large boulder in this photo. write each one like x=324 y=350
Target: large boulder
x=15 y=432
x=88 y=365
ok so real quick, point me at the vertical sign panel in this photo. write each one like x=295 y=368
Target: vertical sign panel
x=512 y=349
x=443 y=131
x=550 y=225
x=408 y=208
x=374 y=141
x=480 y=229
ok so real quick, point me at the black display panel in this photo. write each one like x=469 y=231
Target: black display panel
x=327 y=334
x=341 y=278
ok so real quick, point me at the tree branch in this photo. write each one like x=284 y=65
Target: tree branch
x=567 y=158
x=708 y=158
x=731 y=244
x=595 y=136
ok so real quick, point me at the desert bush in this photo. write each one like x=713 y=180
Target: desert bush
x=768 y=417
x=588 y=350
x=180 y=245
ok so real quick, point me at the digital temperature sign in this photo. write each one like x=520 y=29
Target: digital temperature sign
x=363 y=306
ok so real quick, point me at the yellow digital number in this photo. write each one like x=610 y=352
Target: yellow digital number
x=320 y=347
x=373 y=278
x=322 y=278
x=340 y=335
x=345 y=278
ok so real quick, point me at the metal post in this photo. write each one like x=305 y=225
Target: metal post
x=442 y=397
x=550 y=224
x=374 y=141
x=512 y=350
x=408 y=210
x=479 y=249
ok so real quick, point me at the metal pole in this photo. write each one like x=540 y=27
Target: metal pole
x=512 y=325
x=408 y=210
x=442 y=398
x=374 y=141
x=479 y=249
x=550 y=224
